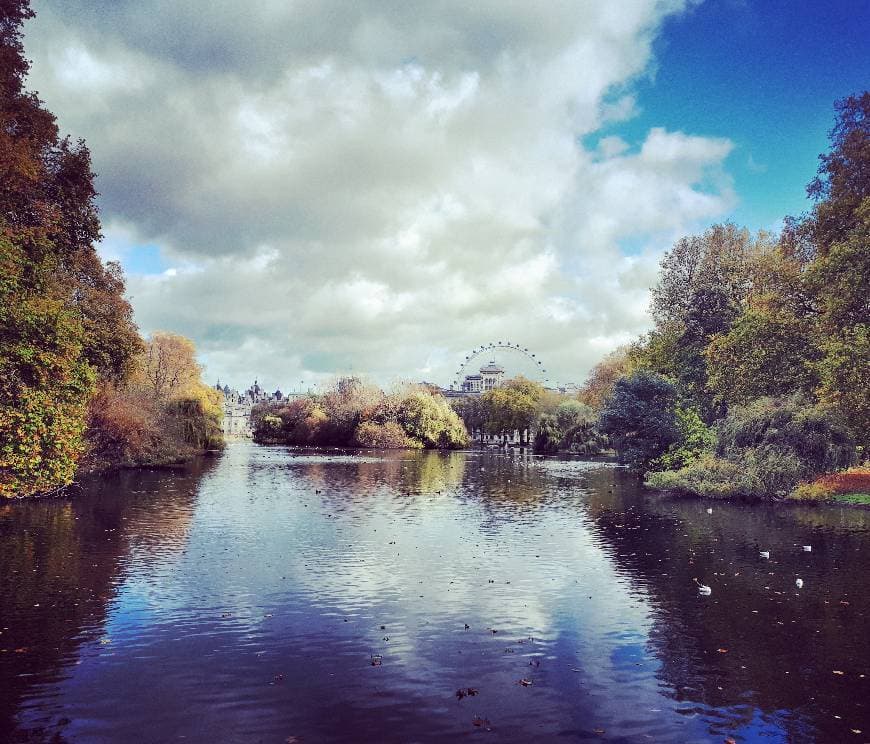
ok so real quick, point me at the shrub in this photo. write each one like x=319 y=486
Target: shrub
x=548 y=436
x=384 y=436
x=430 y=420
x=765 y=449
x=200 y=426
x=853 y=480
x=708 y=476
x=695 y=440
x=123 y=429
x=816 y=437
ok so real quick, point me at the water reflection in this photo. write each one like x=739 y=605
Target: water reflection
x=345 y=596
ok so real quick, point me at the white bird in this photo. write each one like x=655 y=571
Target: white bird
x=808 y=548
x=709 y=510
x=703 y=588
x=765 y=554
x=799 y=583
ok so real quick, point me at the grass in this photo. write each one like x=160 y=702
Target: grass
x=862 y=499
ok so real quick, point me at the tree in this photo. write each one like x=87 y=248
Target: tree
x=168 y=366
x=472 y=410
x=603 y=376
x=843 y=180
x=430 y=420
x=840 y=275
x=701 y=289
x=511 y=407
x=64 y=322
x=763 y=353
x=45 y=382
x=639 y=418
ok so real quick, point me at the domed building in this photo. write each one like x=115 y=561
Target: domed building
x=490 y=377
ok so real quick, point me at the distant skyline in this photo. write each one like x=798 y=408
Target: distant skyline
x=319 y=188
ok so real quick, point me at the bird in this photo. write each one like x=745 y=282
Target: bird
x=808 y=548
x=703 y=588
x=799 y=583
x=765 y=554
x=709 y=510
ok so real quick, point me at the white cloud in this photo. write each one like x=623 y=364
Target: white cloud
x=340 y=187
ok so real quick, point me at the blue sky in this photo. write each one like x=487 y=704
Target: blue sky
x=764 y=74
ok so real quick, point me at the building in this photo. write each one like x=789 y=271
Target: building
x=491 y=376
x=238 y=406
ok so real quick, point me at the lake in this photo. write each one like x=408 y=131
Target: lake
x=276 y=595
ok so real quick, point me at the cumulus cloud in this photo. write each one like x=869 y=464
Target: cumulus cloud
x=377 y=187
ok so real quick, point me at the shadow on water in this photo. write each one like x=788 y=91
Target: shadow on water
x=62 y=563
x=760 y=652
x=310 y=595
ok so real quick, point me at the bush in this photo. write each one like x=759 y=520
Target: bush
x=548 y=436
x=765 y=449
x=708 y=476
x=384 y=436
x=853 y=480
x=695 y=440
x=358 y=415
x=430 y=420
x=815 y=437
x=123 y=429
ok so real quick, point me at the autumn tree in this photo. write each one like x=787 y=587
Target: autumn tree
x=168 y=365
x=64 y=322
x=603 y=376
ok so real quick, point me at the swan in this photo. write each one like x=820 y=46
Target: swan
x=703 y=588
x=799 y=583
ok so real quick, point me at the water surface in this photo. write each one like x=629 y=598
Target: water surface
x=273 y=595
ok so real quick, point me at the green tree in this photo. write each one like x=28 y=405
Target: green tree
x=512 y=407
x=843 y=180
x=764 y=353
x=701 y=290
x=639 y=418
x=430 y=420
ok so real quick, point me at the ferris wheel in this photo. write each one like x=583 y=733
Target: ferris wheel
x=500 y=346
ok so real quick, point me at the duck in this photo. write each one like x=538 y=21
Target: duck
x=703 y=588
x=798 y=583
x=765 y=554
x=808 y=548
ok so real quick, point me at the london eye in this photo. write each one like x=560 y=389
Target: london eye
x=499 y=347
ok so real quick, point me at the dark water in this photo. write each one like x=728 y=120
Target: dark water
x=303 y=597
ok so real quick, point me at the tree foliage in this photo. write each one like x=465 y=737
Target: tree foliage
x=765 y=449
x=354 y=414
x=64 y=321
x=639 y=418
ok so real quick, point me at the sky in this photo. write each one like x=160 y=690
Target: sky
x=315 y=188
